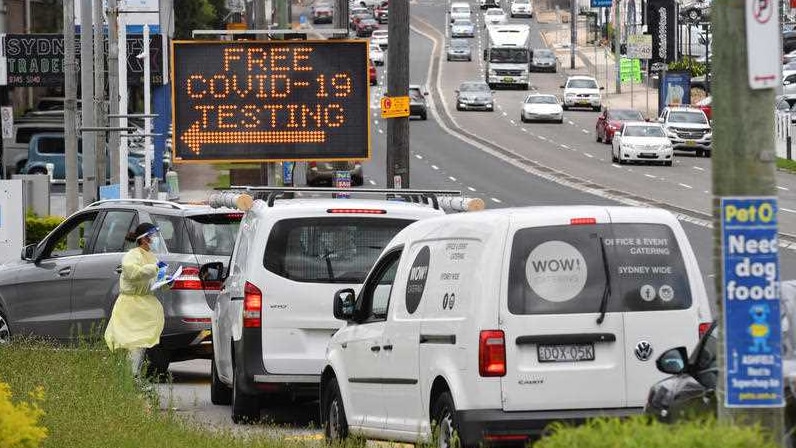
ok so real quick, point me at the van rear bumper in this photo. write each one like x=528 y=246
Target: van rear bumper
x=496 y=426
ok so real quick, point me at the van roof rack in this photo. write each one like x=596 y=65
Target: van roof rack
x=149 y=202
x=270 y=194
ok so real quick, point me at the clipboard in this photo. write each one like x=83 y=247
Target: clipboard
x=169 y=279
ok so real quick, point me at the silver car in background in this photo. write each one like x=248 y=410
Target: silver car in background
x=459 y=50
x=462 y=28
x=64 y=287
x=543 y=60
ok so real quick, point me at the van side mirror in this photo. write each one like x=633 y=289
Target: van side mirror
x=673 y=361
x=602 y=88
x=28 y=252
x=660 y=120
x=561 y=86
x=344 y=301
x=212 y=274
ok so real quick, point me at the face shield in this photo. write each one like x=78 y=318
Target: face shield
x=157 y=244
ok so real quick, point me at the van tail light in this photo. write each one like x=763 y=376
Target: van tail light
x=582 y=221
x=492 y=353
x=361 y=211
x=313 y=164
x=189 y=280
x=703 y=328
x=252 y=306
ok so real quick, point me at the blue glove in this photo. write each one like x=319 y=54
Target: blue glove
x=161 y=274
x=162 y=264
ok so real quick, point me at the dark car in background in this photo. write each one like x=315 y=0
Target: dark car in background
x=543 y=60
x=64 y=287
x=417 y=102
x=322 y=173
x=322 y=13
x=365 y=27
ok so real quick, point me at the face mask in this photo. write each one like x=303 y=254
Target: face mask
x=155 y=245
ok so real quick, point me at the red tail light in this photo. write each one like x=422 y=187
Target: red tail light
x=582 y=221
x=703 y=328
x=189 y=280
x=313 y=164
x=492 y=353
x=252 y=306
x=362 y=211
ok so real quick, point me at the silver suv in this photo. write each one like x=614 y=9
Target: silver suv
x=688 y=128
x=65 y=286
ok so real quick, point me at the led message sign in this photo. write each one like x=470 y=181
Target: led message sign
x=270 y=100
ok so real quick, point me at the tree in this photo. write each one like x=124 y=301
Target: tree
x=196 y=15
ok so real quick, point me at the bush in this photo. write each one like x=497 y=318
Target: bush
x=19 y=423
x=686 y=64
x=644 y=431
x=37 y=227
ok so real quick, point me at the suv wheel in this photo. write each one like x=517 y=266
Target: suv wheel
x=335 y=425
x=219 y=392
x=5 y=333
x=245 y=408
x=423 y=115
x=447 y=426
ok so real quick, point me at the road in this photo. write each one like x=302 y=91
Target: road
x=464 y=151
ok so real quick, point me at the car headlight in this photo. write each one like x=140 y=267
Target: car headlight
x=671 y=134
x=570 y=95
x=489 y=104
x=709 y=136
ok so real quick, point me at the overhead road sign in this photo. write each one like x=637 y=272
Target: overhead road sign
x=262 y=101
x=394 y=106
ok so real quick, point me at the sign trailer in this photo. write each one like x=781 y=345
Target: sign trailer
x=261 y=101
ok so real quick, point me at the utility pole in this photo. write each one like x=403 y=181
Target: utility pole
x=617 y=45
x=87 y=99
x=573 y=10
x=114 y=138
x=100 y=106
x=743 y=165
x=266 y=169
x=70 y=109
x=3 y=88
x=398 y=85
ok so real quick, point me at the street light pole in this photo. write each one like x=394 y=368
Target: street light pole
x=70 y=109
x=617 y=43
x=87 y=99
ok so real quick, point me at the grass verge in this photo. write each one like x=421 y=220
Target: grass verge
x=785 y=164
x=91 y=401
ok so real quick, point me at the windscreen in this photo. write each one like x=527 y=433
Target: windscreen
x=213 y=234
x=581 y=84
x=474 y=87
x=541 y=99
x=510 y=55
x=328 y=250
x=644 y=131
x=561 y=269
x=626 y=115
x=461 y=10
x=688 y=117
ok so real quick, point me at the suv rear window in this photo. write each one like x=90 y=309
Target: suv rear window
x=328 y=250
x=213 y=234
x=560 y=269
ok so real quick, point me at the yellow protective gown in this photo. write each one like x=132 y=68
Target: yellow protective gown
x=137 y=318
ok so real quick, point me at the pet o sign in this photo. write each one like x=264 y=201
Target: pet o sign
x=750 y=268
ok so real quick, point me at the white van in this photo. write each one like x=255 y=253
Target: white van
x=273 y=319
x=460 y=10
x=494 y=324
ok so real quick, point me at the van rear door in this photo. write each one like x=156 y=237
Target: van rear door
x=557 y=355
x=654 y=293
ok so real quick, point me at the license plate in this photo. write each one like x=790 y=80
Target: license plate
x=508 y=79
x=565 y=352
x=690 y=143
x=583 y=102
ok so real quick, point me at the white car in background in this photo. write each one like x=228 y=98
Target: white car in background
x=541 y=107
x=380 y=38
x=495 y=16
x=522 y=8
x=376 y=55
x=582 y=91
x=640 y=141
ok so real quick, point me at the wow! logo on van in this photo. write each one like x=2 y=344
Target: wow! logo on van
x=556 y=271
x=417 y=279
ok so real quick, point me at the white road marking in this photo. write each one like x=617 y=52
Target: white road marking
x=686 y=186
x=565 y=146
x=571 y=122
x=471 y=189
x=541 y=137
x=511 y=121
x=588 y=155
x=504 y=113
x=434 y=167
x=698 y=168
x=616 y=166
x=524 y=130
x=496 y=200
x=418 y=156
x=585 y=131
x=706 y=192
x=372 y=182
x=782 y=188
x=650 y=176
x=452 y=178
x=381 y=131
x=787 y=210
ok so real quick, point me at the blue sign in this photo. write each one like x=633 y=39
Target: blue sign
x=109 y=192
x=601 y=3
x=287 y=173
x=752 y=336
x=675 y=90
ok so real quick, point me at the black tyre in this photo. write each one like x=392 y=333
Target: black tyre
x=423 y=115
x=458 y=107
x=158 y=361
x=219 y=392
x=619 y=156
x=565 y=107
x=561 y=121
x=522 y=118
x=5 y=331
x=445 y=422
x=37 y=170
x=357 y=181
x=668 y=162
x=599 y=139
x=245 y=408
x=707 y=154
x=335 y=425
x=597 y=108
